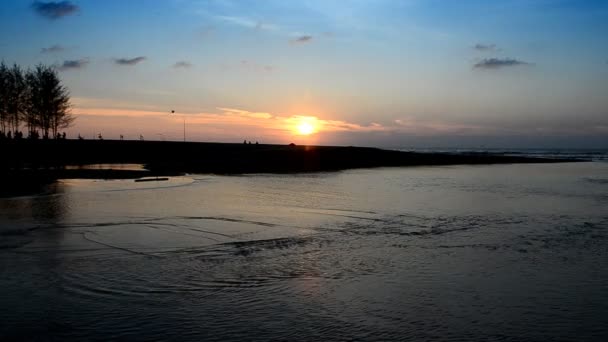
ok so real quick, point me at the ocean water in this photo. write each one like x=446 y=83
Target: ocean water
x=458 y=253
x=598 y=154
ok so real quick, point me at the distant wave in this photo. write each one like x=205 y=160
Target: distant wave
x=587 y=154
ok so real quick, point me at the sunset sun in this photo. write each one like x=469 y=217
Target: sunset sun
x=305 y=128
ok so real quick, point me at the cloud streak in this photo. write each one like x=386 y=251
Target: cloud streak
x=238 y=122
x=182 y=64
x=230 y=125
x=247 y=22
x=498 y=63
x=54 y=10
x=74 y=64
x=53 y=49
x=302 y=39
x=485 y=47
x=245 y=113
x=129 y=61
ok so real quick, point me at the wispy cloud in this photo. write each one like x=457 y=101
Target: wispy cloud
x=54 y=10
x=274 y=127
x=497 y=63
x=323 y=125
x=53 y=49
x=73 y=64
x=412 y=125
x=240 y=21
x=129 y=61
x=182 y=64
x=485 y=47
x=247 y=22
x=245 y=113
x=302 y=39
x=231 y=123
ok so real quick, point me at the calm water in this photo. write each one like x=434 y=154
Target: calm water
x=462 y=253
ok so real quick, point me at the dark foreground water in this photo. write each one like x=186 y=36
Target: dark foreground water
x=462 y=253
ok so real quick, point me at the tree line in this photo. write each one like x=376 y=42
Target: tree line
x=33 y=102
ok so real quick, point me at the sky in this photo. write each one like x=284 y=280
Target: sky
x=387 y=73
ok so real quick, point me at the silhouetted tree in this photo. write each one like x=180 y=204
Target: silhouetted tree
x=50 y=102
x=32 y=116
x=4 y=90
x=35 y=98
x=17 y=97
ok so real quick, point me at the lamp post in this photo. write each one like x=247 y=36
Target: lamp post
x=173 y=112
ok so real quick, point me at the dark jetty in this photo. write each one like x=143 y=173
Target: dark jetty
x=153 y=179
x=33 y=162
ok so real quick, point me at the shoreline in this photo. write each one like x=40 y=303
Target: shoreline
x=34 y=163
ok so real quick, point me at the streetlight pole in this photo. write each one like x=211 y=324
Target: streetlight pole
x=184 y=117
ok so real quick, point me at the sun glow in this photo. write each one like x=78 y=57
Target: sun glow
x=305 y=128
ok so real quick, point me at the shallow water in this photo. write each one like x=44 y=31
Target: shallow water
x=460 y=253
x=124 y=167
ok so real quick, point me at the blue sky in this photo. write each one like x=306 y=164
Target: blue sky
x=377 y=72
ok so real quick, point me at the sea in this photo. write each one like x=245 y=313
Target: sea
x=515 y=252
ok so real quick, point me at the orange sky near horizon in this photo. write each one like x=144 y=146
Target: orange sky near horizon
x=223 y=124
x=235 y=125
